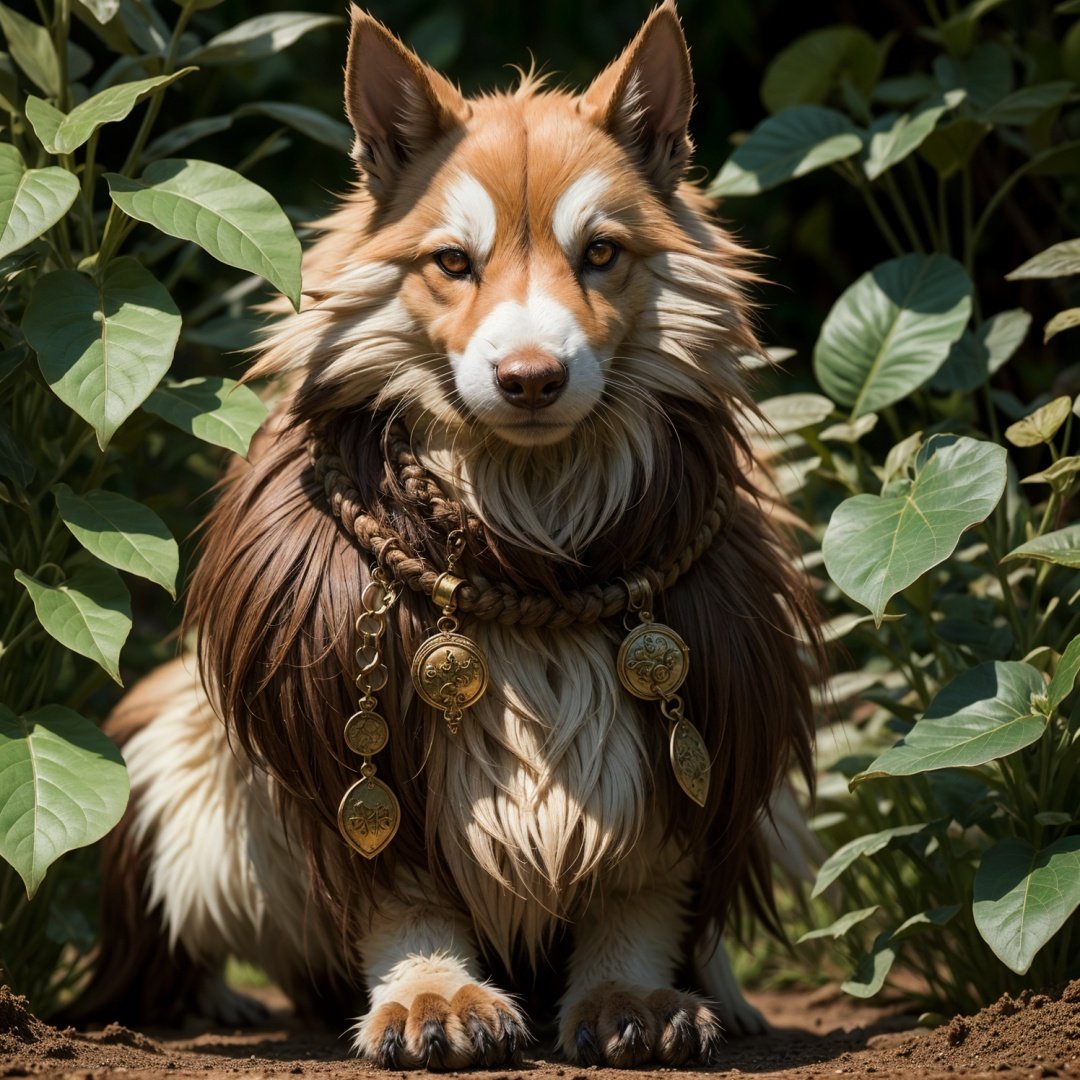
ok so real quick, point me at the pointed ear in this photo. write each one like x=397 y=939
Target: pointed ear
x=398 y=106
x=644 y=98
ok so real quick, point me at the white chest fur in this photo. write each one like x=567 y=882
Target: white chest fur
x=546 y=784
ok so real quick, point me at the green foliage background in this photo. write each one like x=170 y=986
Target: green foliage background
x=901 y=842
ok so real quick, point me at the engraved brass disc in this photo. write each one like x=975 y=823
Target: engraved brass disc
x=450 y=672
x=368 y=816
x=653 y=661
x=366 y=733
x=690 y=761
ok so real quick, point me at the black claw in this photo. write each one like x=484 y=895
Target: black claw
x=514 y=1035
x=487 y=1049
x=585 y=1042
x=388 y=1055
x=633 y=1032
x=434 y=1045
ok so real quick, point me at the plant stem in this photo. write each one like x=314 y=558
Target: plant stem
x=902 y=213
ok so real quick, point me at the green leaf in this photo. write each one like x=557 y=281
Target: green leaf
x=806 y=71
x=1022 y=897
x=63 y=785
x=793 y=143
x=957 y=32
x=792 y=412
x=63 y=134
x=1063 y=320
x=891 y=330
x=976 y=356
x=950 y=147
x=1061 y=547
x=102 y=348
x=905 y=90
x=1023 y=107
x=122 y=533
x=32 y=49
x=216 y=410
x=103 y=11
x=89 y=613
x=310 y=122
x=1060 y=260
x=1040 y=426
x=31 y=200
x=1059 y=475
x=175 y=139
x=892 y=138
x=861 y=847
x=982 y=715
x=872 y=969
x=236 y=221
x=924 y=920
x=256 y=38
x=875 y=546
x=1068 y=667
x=849 y=432
x=840 y=927
x=986 y=75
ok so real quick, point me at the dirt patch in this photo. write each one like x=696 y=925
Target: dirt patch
x=817 y=1035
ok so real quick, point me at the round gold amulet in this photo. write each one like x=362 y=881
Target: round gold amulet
x=450 y=672
x=653 y=661
x=366 y=733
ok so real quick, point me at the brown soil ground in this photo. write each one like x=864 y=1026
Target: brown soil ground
x=820 y=1034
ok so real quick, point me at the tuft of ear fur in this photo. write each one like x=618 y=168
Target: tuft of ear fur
x=643 y=99
x=398 y=106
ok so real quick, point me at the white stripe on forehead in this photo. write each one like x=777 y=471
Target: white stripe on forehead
x=577 y=209
x=469 y=214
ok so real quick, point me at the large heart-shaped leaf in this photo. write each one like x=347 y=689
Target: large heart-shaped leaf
x=977 y=355
x=791 y=144
x=870 y=844
x=892 y=138
x=984 y=714
x=102 y=347
x=62 y=133
x=985 y=73
x=216 y=410
x=122 y=533
x=31 y=200
x=806 y=71
x=31 y=47
x=261 y=36
x=875 y=546
x=890 y=332
x=1061 y=547
x=1058 y=260
x=233 y=219
x=1022 y=897
x=63 y=785
x=90 y=613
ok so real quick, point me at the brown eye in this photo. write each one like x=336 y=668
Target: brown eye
x=600 y=254
x=454 y=262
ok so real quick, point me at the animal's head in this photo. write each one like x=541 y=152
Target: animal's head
x=523 y=272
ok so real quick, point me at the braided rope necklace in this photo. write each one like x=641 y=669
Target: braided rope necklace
x=450 y=671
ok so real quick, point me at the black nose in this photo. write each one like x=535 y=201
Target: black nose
x=530 y=379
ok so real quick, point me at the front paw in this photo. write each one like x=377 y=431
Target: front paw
x=477 y=1025
x=628 y=1026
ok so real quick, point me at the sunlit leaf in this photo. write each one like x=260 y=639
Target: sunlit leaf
x=1060 y=260
x=1040 y=426
x=791 y=412
x=891 y=330
x=89 y=613
x=236 y=221
x=1023 y=897
x=31 y=200
x=1063 y=320
x=892 y=138
x=216 y=410
x=31 y=47
x=259 y=37
x=862 y=847
x=63 y=785
x=1068 y=667
x=873 y=968
x=1061 y=547
x=841 y=926
x=977 y=355
x=102 y=347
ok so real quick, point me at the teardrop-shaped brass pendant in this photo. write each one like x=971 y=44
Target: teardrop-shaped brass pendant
x=369 y=816
x=690 y=761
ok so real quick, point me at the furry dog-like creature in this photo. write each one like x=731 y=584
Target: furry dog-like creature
x=525 y=286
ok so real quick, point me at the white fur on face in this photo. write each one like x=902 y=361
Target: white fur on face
x=578 y=211
x=469 y=217
x=540 y=323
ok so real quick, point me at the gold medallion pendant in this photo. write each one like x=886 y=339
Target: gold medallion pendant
x=449 y=670
x=369 y=814
x=652 y=664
